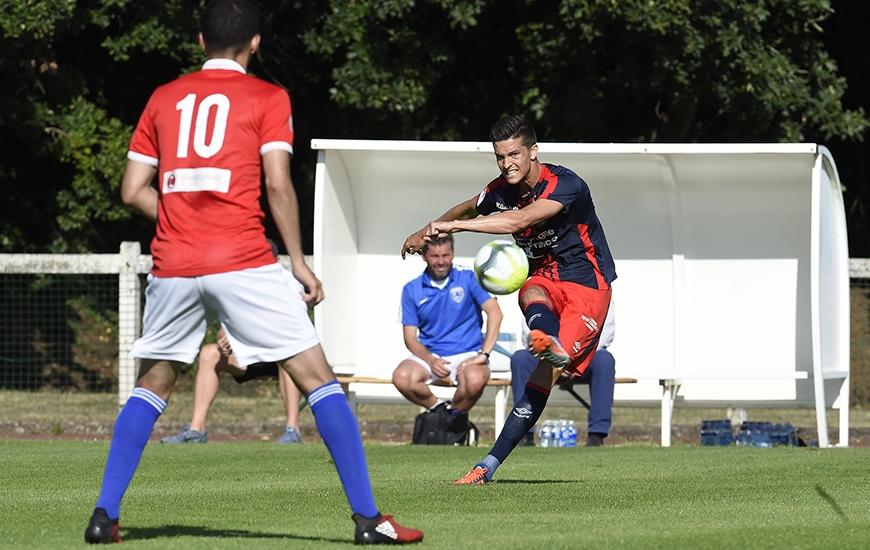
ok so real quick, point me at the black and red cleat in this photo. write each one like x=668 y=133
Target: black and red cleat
x=101 y=529
x=383 y=529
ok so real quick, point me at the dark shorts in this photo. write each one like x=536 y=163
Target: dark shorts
x=259 y=370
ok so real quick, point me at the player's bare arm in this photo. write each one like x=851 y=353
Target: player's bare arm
x=438 y=365
x=285 y=211
x=504 y=223
x=136 y=189
x=462 y=211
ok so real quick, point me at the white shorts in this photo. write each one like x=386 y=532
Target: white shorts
x=261 y=309
x=453 y=360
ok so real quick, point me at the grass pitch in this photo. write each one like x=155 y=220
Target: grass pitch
x=260 y=495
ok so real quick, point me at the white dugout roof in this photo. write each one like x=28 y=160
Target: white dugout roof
x=731 y=258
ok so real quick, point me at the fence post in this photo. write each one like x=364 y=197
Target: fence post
x=129 y=310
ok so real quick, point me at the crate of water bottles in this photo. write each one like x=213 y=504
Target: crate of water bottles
x=558 y=433
x=716 y=433
x=766 y=434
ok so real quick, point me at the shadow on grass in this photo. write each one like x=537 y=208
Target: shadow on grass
x=172 y=531
x=835 y=506
x=535 y=481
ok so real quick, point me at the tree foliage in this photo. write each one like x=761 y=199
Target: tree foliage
x=75 y=76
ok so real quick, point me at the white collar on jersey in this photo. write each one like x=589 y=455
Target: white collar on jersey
x=223 y=63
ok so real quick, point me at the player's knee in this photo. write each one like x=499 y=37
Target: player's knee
x=474 y=379
x=209 y=356
x=401 y=377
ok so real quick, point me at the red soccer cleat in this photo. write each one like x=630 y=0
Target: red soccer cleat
x=477 y=476
x=383 y=530
x=546 y=347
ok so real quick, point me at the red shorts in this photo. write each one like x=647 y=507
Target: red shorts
x=581 y=311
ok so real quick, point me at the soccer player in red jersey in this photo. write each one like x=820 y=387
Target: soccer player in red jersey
x=207 y=136
x=549 y=211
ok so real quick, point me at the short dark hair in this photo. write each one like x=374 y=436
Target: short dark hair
x=438 y=242
x=511 y=127
x=229 y=25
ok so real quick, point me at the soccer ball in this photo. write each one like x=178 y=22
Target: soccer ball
x=501 y=267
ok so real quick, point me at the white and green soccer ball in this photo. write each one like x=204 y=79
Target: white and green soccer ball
x=501 y=267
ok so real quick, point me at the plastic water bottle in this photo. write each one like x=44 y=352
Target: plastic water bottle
x=746 y=435
x=726 y=433
x=708 y=435
x=570 y=434
x=716 y=433
x=554 y=433
x=546 y=433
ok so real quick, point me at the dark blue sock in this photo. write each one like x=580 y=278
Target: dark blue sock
x=539 y=316
x=340 y=432
x=524 y=415
x=133 y=427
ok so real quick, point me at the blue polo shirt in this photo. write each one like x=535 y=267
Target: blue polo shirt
x=449 y=319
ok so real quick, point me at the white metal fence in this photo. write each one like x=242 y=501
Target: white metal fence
x=129 y=265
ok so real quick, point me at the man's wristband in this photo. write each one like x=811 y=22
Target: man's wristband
x=480 y=351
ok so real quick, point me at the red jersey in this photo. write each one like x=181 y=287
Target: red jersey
x=205 y=132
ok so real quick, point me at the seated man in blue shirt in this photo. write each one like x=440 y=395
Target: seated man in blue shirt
x=601 y=377
x=441 y=322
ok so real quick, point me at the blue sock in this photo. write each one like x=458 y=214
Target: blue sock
x=491 y=464
x=340 y=432
x=133 y=427
x=539 y=316
x=524 y=415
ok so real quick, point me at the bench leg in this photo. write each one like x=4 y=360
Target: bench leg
x=670 y=388
x=577 y=396
x=351 y=401
x=500 y=405
x=844 y=413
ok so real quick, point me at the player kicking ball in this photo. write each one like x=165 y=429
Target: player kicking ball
x=549 y=211
x=207 y=136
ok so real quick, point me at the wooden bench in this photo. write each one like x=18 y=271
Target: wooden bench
x=568 y=386
x=502 y=385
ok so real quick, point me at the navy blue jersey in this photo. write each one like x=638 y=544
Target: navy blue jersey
x=571 y=245
x=448 y=318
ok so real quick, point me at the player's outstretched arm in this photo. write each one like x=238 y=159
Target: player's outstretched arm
x=506 y=223
x=136 y=190
x=285 y=211
x=463 y=211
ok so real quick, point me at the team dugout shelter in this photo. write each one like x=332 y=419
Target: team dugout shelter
x=732 y=263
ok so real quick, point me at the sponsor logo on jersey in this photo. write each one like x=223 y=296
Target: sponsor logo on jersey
x=457 y=293
x=591 y=323
x=189 y=180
